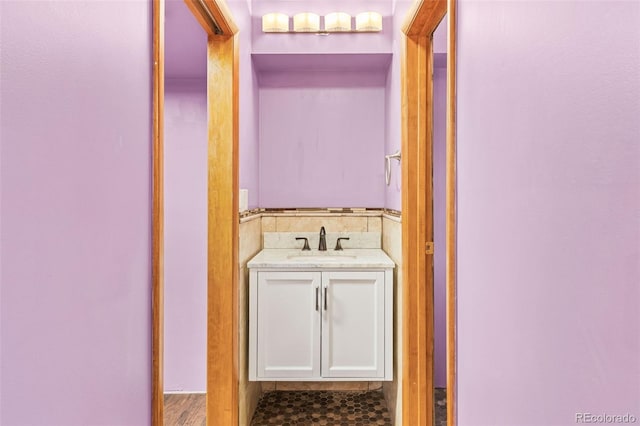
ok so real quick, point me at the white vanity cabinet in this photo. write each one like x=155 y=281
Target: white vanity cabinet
x=317 y=324
x=287 y=313
x=353 y=324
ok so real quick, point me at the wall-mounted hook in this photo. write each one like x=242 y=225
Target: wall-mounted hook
x=387 y=167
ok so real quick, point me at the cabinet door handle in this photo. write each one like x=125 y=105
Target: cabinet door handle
x=325 y=298
x=317 y=307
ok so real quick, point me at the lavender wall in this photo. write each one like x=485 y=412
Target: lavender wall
x=186 y=57
x=549 y=212
x=393 y=198
x=185 y=43
x=75 y=191
x=249 y=148
x=185 y=272
x=186 y=186
x=439 y=223
x=393 y=118
x=322 y=139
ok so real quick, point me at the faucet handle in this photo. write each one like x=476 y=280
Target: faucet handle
x=338 y=245
x=306 y=243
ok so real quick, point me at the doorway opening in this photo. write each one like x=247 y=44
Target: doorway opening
x=222 y=137
x=222 y=398
x=418 y=196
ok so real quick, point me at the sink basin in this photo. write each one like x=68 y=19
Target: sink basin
x=320 y=258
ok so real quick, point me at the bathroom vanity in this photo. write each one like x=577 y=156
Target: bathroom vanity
x=320 y=315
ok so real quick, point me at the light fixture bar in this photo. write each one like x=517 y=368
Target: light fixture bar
x=368 y=21
x=306 y=22
x=337 y=22
x=275 y=23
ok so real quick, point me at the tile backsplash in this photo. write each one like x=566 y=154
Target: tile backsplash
x=357 y=240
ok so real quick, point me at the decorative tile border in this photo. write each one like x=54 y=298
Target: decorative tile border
x=303 y=212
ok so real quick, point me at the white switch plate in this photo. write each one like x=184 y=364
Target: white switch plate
x=244 y=200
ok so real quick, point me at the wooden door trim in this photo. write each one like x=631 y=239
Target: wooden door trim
x=451 y=217
x=417 y=333
x=157 y=218
x=417 y=226
x=223 y=217
x=214 y=16
x=223 y=234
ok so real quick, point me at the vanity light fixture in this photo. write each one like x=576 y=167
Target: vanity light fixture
x=369 y=21
x=275 y=23
x=306 y=22
x=337 y=21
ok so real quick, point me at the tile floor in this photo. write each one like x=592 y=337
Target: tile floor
x=440 y=407
x=338 y=408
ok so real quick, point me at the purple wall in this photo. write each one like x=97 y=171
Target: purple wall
x=76 y=208
x=393 y=118
x=439 y=222
x=321 y=138
x=393 y=198
x=186 y=186
x=549 y=212
x=186 y=57
x=185 y=272
x=249 y=148
x=185 y=43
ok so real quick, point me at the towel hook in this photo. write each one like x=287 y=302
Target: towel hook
x=387 y=167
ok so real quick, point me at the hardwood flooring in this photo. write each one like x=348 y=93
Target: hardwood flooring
x=187 y=409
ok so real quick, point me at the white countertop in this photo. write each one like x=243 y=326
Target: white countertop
x=296 y=258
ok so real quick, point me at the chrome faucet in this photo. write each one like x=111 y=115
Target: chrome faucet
x=323 y=240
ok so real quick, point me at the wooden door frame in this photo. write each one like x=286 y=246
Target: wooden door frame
x=417 y=207
x=223 y=217
x=417 y=225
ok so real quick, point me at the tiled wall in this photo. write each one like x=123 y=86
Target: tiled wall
x=333 y=222
x=392 y=245
x=250 y=245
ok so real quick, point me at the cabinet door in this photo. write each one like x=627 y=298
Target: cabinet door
x=353 y=324
x=288 y=324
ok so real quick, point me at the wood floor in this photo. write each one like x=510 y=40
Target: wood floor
x=187 y=409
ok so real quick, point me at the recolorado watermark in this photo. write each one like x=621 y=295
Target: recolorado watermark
x=604 y=418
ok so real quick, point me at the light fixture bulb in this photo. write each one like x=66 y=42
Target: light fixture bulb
x=369 y=21
x=337 y=21
x=275 y=23
x=306 y=22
